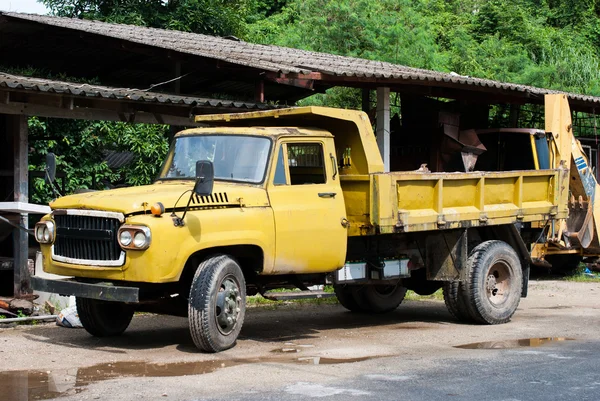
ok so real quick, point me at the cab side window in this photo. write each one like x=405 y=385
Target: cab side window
x=280 y=178
x=306 y=163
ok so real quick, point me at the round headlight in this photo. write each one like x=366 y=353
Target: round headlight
x=46 y=234
x=39 y=233
x=139 y=240
x=125 y=238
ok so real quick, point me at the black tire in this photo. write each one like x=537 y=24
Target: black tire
x=455 y=301
x=380 y=298
x=564 y=264
x=104 y=318
x=494 y=280
x=345 y=295
x=419 y=284
x=217 y=304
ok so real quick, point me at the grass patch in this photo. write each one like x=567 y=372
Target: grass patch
x=259 y=301
x=413 y=296
x=584 y=275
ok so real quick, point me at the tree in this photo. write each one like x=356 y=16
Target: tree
x=80 y=147
x=214 y=17
x=547 y=43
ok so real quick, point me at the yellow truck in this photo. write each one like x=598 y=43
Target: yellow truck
x=294 y=198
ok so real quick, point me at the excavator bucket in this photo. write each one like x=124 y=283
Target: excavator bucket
x=580 y=223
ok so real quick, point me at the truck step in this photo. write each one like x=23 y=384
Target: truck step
x=291 y=295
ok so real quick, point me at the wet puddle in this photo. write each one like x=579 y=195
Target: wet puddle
x=44 y=385
x=526 y=342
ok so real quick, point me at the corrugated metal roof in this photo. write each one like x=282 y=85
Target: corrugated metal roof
x=18 y=82
x=281 y=59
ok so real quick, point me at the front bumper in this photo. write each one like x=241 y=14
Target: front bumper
x=102 y=291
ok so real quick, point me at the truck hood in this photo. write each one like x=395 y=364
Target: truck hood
x=139 y=199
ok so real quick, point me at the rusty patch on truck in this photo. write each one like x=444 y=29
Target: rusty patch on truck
x=25 y=385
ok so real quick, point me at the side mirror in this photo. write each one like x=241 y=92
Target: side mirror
x=50 y=167
x=205 y=176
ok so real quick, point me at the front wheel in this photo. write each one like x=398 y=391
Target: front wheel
x=217 y=304
x=104 y=318
x=494 y=280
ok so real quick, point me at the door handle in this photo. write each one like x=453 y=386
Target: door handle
x=327 y=194
x=334 y=165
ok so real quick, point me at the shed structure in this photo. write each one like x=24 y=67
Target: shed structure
x=21 y=97
x=162 y=76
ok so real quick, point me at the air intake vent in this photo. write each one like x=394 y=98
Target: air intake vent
x=218 y=198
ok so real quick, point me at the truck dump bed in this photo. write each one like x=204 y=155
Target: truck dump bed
x=415 y=201
x=410 y=201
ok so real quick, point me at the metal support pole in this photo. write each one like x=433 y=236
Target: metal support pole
x=383 y=125
x=17 y=129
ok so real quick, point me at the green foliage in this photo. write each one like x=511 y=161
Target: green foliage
x=80 y=148
x=546 y=43
x=215 y=17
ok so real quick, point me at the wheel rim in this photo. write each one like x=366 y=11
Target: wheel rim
x=227 y=308
x=498 y=283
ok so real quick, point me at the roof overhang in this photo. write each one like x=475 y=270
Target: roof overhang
x=49 y=98
x=205 y=65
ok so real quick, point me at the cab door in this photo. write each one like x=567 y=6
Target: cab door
x=308 y=206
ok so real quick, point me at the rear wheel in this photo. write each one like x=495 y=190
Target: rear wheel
x=380 y=298
x=104 y=318
x=455 y=301
x=492 y=289
x=564 y=264
x=345 y=295
x=217 y=304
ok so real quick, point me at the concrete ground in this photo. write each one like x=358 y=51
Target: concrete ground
x=322 y=351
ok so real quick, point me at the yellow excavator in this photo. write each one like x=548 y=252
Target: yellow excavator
x=560 y=244
x=569 y=241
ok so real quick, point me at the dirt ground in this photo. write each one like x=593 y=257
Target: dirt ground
x=278 y=346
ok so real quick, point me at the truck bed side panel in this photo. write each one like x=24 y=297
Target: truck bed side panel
x=416 y=201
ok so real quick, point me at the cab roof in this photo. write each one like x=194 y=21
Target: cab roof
x=273 y=132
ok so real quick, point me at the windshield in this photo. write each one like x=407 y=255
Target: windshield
x=235 y=157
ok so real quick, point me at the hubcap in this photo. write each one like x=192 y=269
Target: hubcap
x=228 y=305
x=498 y=282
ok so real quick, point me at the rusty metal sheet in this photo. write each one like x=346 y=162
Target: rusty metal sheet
x=446 y=255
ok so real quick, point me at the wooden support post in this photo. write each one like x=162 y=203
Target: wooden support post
x=514 y=115
x=17 y=130
x=176 y=88
x=383 y=125
x=259 y=92
x=366 y=100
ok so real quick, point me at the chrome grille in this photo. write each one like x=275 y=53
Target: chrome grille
x=84 y=237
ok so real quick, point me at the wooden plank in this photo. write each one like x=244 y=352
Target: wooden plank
x=24 y=207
